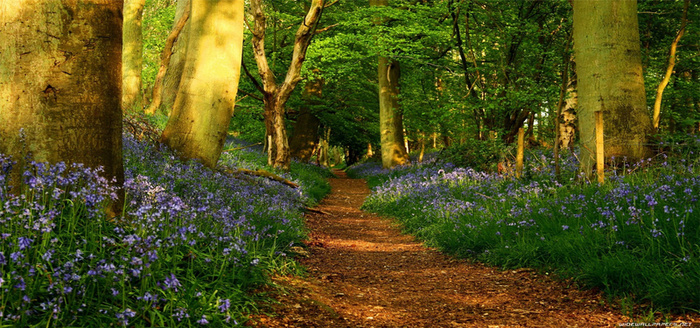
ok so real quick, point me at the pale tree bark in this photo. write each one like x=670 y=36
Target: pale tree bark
x=198 y=124
x=305 y=138
x=275 y=95
x=132 y=53
x=609 y=71
x=390 y=114
x=60 y=83
x=169 y=54
x=656 y=116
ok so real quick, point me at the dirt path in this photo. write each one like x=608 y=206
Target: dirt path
x=364 y=273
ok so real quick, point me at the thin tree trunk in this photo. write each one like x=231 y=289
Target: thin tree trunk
x=560 y=105
x=669 y=69
x=205 y=101
x=165 y=61
x=60 y=84
x=132 y=54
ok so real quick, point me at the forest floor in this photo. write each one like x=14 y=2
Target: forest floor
x=363 y=272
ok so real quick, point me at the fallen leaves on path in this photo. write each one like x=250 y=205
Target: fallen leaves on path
x=362 y=272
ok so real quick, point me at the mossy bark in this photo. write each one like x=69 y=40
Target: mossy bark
x=198 y=124
x=60 y=83
x=305 y=137
x=609 y=72
x=390 y=115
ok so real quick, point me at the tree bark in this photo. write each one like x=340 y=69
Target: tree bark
x=198 y=124
x=305 y=135
x=60 y=84
x=669 y=69
x=275 y=96
x=610 y=79
x=132 y=54
x=390 y=115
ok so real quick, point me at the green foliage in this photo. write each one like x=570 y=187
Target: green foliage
x=158 y=17
x=481 y=155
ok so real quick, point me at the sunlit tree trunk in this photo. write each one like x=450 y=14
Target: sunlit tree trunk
x=132 y=56
x=171 y=80
x=198 y=124
x=610 y=80
x=275 y=95
x=669 y=69
x=390 y=115
x=60 y=83
x=305 y=136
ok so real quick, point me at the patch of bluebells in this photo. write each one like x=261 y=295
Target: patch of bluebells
x=184 y=229
x=645 y=217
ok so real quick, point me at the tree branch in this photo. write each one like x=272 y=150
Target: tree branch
x=165 y=61
x=251 y=77
x=325 y=28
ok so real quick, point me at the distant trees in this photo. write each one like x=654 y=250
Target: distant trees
x=198 y=125
x=610 y=79
x=60 y=85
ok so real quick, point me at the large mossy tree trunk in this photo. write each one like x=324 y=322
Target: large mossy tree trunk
x=132 y=55
x=199 y=122
x=305 y=137
x=60 y=83
x=275 y=95
x=392 y=143
x=610 y=80
x=390 y=115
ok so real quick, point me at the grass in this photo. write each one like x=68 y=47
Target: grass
x=636 y=237
x=189 y=250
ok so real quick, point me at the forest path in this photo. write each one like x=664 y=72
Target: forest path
x=362 y=272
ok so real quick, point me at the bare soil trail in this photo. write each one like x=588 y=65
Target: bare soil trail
x=362 y=272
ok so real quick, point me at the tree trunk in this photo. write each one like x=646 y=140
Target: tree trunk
x=567 y=118
x=275 y=96
x=323 y=147
x=171 y=80
x=609 y=69
x=305 y=135
x=198 y=124
x=132 y=55
x=165 y=59
x=390 y=116
x=669 y=69
x=60 y=84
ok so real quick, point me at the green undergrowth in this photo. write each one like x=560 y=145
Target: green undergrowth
x=635 y=237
